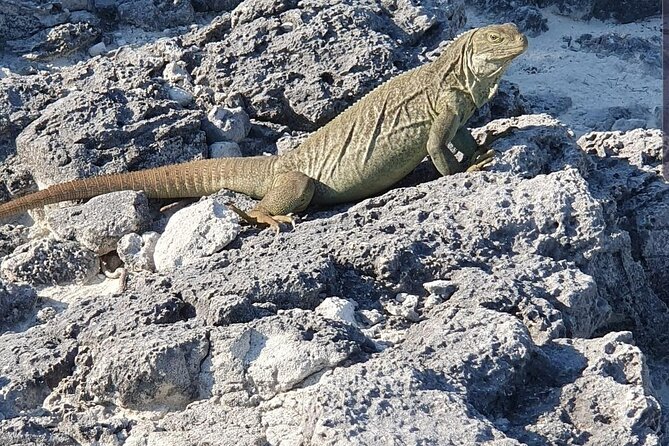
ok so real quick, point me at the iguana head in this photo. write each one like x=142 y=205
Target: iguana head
x=494 y=47
x=488 y=52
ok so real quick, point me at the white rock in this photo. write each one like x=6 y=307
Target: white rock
x=136 y=251
x=178 y=94
x=338 y=309
x=372 y=317
x=443 y=288
x=227 y=124
x=176 y=73
x=46 y=314
x=224 y=149
x=432 y=301
x=195 y=232
x=404 y=306
x=97 y=49
x=279 y=361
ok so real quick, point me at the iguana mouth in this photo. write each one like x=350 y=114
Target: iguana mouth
x=523 y=43
x=515 y=50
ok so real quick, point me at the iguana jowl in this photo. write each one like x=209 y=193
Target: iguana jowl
x=363 y=151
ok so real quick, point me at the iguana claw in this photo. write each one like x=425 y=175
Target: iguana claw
x=480 y=160
x=261 y=218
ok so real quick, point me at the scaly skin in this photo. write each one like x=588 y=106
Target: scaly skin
x=363 y=151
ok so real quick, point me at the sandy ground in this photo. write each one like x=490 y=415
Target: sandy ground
x=593 y=83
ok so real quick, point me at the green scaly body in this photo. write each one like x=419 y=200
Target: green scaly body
x=363 y=151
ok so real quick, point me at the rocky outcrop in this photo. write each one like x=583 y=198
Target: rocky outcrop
x=525 y=304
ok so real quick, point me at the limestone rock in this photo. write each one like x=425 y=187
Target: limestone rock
x=99 y=223
x=195 y=232
x=48 y=261
x=17 y=303
x=137 y=251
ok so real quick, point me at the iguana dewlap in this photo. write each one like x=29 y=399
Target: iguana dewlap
x=363 y=151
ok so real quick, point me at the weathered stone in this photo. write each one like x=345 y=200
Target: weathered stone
x=136 y=251
x=89 y=133
x=149 y=14
x=338 y=309
x=598 y=379
x=100 y=223
x=148 y=369
x=225 y=124
x=60 y=41
x=48 y=262
x=12 y=236
x=195 y=232
x=17 y=303
x=224 y=149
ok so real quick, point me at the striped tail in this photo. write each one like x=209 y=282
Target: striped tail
x=192 y=179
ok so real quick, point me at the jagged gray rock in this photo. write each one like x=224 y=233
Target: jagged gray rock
x=522 y=305
x=48 y=262
x=635 y=49
x=17 y=303
x=99 y=224
x=642 y=148
x=623 y=11
x=604 y=120
x=279 y=43
x=59 y=41
x=19 y=20
x=12 y=236
x=103 y=133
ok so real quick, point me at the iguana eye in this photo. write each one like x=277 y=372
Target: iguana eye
x=494 y=38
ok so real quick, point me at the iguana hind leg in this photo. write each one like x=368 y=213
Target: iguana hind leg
x=291 y=192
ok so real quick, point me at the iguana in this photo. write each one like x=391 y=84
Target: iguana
x=363 y=151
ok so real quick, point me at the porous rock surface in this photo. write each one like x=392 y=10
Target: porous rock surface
x=195 y=232
x=99 y=223
x=526 y=304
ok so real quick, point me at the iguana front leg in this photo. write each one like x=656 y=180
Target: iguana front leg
x=476 y=156
x=291 y=192
x=446 y=129
x=443 y=130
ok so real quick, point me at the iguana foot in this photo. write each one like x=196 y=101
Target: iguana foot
x=255 y=217
x=490 y=136
x=480 y=160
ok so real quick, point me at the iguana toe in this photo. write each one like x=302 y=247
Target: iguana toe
x=256 y=217
x=481 y=160
x=288 y=219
